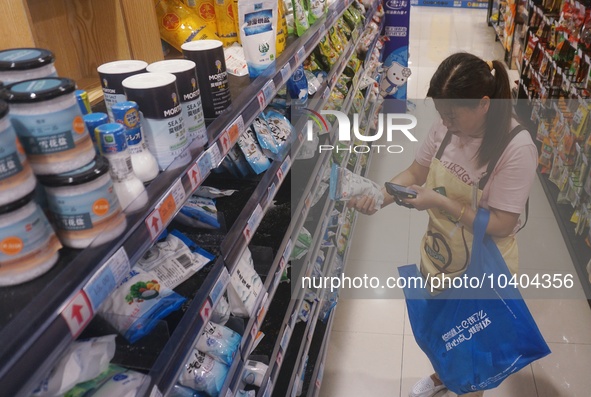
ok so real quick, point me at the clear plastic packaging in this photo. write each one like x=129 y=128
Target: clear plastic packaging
x=345 y=184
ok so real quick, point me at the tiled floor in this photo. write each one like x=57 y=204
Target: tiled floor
x=372 y=351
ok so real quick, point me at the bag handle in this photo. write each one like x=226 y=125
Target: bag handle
x=480 y=224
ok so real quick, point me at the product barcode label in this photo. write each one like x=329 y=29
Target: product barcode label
x=184 y=260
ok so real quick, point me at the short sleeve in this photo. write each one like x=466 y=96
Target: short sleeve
x=514 y=175
x=428 y=148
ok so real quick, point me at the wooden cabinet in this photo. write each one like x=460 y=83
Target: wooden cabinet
x=83 y=34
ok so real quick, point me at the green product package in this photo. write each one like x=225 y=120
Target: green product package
x=85 y=388
x=300 y=13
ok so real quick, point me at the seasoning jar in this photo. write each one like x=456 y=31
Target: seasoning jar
x=84 y=206
x=28 y=244
x=16 y=176
x=18 y=64
x=49 y=123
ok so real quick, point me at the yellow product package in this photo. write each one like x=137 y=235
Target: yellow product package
x=226 y=21
x=206 y=11
x=178 y=24
x=281 y=29
x=235 y=13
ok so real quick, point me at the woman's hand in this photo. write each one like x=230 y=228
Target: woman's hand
x=426 y=198
x=364 y=204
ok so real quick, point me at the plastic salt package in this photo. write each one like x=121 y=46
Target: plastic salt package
x=140 y=301
x=82 y=361
x=221 y=312
x=274 y=139
x=219 y=342
x=281 y=128
x=123 y=384
x=258 y=33
x=235 y=60
x=252 y=151
x=345 y=184
x=87 y=388
x=175 y=259
x=247 y=286
x=212 y=192
x=199 y=212
x=182 y=391
x=203 y=373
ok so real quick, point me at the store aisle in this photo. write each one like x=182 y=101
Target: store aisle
x=372 y=351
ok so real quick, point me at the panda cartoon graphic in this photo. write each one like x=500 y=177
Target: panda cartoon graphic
x=395 y=77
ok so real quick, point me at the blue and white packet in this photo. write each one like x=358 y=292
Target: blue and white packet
x=219 y=342
x=138 y=304
x=297 y=86
x=175 y=259
x=271 y=148
x=281 y=128
x=203 y=373
x=202 y=213
x=252 y=151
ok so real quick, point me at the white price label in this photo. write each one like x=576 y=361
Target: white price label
x=253 y=222
x=299 y=56
x=220 y=286
x=100 y=286
x=268 y=389
x=178 y=193
x=271 y=190
x=285 y=338
x=286 y=251
x=284 y=169
x=266 y=94
x=215 y=156
x=285 y=73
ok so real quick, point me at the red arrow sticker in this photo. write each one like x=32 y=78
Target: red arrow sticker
x=206 y=310
x=78 y=313
x=154 y=224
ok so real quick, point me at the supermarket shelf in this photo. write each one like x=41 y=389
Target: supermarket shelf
x=579 y=251
x=238 y=236
x=450 y=3
x=37 y=333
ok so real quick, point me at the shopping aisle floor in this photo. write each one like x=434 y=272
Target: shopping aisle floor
x=372 y=351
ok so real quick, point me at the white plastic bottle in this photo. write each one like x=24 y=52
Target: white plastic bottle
x=112 y=144
x=144 y=164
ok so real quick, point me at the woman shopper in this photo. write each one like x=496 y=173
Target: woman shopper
x=476 y=133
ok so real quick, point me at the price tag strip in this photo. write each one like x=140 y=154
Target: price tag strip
x=111 y=274
x=299 y=56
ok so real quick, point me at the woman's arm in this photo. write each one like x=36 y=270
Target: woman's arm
x=415 y=174
x=501 y=223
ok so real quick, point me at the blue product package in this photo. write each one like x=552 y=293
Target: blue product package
x=268 y=143
x=138 y=304
x=281 y=128
x=219 y=342
x=202 y=210
x=203 y=373
x=297 y=85
x=252 y=151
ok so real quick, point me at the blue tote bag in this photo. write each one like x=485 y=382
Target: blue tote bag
x=474 y=337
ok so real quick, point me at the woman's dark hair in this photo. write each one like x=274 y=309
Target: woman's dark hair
x=465 y=78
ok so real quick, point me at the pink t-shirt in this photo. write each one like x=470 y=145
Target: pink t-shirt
x=510 y=183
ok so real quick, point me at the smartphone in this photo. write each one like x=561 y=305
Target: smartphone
x=400 y=191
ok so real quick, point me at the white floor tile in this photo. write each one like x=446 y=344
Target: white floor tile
x=565 y=372
x=360 y=364
x=562 y=321
x=370 y=316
